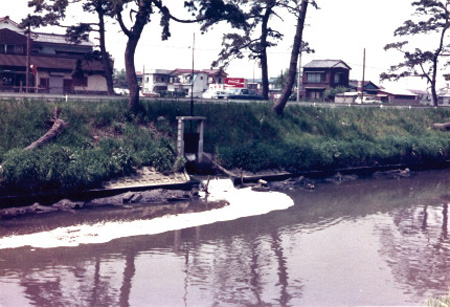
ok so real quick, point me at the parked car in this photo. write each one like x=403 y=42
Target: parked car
x=214 y=94
x=220 y=95
x=244 y=93
x=151 y=94
x=121 y=91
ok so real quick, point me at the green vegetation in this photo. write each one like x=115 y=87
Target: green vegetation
x=443 y=301
x=104 y=140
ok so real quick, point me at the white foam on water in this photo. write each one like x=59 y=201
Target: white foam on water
x=242 y=203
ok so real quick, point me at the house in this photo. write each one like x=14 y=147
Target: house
x=398 y=96
x=444 y=96
x=368 y=88
x=256 y=84
x=378 y=94
x=357 y=97
x=181 y=80
x=321 y=75
x=423 y=96
x=56 y=65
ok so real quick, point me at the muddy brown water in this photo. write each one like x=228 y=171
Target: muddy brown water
x=373 y=241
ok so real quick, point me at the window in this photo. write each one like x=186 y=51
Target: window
x=315 y=77
x=7 y=81
x=338 y=78
x=314 y=95
x=43 y=83
x=68 y=86
x=9 y=48
x=18 y=49
x=80 y=81
x=12 y=49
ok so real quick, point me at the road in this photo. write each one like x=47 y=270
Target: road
x=54 y=97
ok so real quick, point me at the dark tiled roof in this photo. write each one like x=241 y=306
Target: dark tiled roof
x=51 y=38
x=325 y=64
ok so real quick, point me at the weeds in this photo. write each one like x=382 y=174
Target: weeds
x=103 y=140
x=443 y=301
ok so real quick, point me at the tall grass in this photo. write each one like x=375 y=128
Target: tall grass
x=443 y=301
x=104 y=140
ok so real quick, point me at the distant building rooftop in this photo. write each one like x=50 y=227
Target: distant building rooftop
x=327 y=64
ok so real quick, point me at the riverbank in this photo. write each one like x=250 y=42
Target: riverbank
x=103 y=141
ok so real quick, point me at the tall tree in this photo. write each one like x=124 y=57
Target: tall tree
x=258 y=14
x=206 y=12
x=300 y=10
x=432 y=16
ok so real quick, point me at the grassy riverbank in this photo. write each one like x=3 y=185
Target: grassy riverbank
x=103 y=140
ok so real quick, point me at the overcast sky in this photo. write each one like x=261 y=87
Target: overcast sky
x=338 y=30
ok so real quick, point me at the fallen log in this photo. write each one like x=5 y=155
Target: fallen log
x=35 y=208
x=442 y=126
x=58 y=126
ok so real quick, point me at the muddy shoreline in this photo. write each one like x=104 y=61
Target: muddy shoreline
x=172 y=196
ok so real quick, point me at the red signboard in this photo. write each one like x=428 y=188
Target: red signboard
x=235 y=82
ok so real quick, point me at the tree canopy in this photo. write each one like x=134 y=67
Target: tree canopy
x=431 y=17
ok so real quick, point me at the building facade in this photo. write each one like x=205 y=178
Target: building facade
x=321 y=75
x=56 y=65
x=182 y=81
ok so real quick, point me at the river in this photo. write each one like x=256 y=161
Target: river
x=372 y=241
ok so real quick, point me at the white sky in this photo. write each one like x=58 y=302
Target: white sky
x=338 y=30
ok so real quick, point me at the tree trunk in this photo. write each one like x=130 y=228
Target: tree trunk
x=434 y=95
x=287 y=90
x=263 y=55
x=105 y=55
x=134 y=35
x=442 y=126
x=133 y=86
x=56 y=129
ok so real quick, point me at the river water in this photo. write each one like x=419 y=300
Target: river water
x=373 y=241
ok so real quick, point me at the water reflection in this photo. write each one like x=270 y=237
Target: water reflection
x=417 y=248
x=339 y=245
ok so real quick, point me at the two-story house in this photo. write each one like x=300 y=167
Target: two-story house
x=321 y=75
x=56 y=65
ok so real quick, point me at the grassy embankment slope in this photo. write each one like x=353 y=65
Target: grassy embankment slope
x=102 y=140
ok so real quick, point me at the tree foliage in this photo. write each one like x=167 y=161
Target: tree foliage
x=257 y=35
x=431 y=16
x=258 y=15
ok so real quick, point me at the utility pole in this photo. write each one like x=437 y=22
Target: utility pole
x=143 y=80
x=192 y=76
x=364 y=76
x=299 y=75
x=28 y=61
